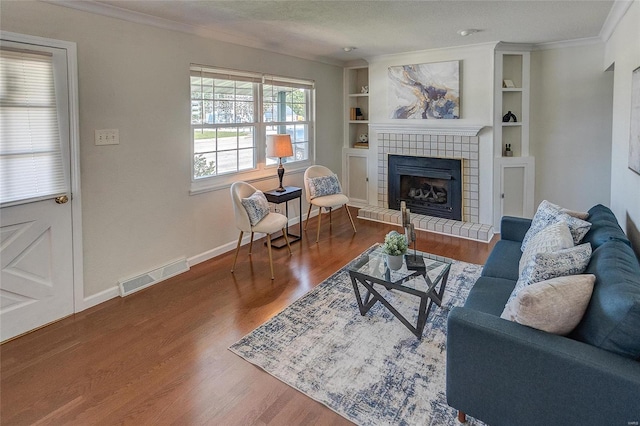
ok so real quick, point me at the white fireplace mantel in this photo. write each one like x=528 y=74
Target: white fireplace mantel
x=432 y=129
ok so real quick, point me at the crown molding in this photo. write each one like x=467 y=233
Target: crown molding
x=437 y=129
x=567 y=43
x=617 y=12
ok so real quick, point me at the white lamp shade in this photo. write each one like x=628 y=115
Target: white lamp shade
x=279 y=146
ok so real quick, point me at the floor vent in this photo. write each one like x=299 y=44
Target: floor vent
x=131 y=285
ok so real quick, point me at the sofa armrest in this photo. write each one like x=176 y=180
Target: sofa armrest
x=514 y=228
x=504 y=373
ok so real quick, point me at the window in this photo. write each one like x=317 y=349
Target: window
x=286 y=110
x=232 y=113
x=31 y=165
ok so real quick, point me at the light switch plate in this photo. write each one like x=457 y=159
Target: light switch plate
x=107 y=137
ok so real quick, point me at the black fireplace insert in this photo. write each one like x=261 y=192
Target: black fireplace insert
x=430 y=186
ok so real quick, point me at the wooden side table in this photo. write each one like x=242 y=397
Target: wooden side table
x=290 y=193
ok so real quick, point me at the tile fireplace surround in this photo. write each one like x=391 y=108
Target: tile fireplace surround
x=440 y=146
x=432 y=145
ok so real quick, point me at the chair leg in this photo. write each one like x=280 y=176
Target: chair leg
x=308 y=217
x=350 y=218
x=251 y=244
x=319 y=222
x=269 y=250
x=462 y=417
x=237 y=250
x=286 y=238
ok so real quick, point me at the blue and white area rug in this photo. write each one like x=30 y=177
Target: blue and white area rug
x=370 y=369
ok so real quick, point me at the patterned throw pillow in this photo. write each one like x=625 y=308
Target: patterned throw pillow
x=555 y=306
x=324 y=185
x=552 y=238
x=549 y=213
x=544 y=266
x=257 y=207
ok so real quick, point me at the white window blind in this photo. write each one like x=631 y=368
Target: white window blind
x=30 y=153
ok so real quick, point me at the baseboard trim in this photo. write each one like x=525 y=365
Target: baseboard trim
x=113 y=292
x=217 y=251
x=98 y=298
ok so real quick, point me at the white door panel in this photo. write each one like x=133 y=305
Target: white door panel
x=36 y=274
x=36 y=244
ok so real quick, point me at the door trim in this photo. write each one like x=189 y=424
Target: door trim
x=79 y=303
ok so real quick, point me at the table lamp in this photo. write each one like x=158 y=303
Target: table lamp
x=279 y=146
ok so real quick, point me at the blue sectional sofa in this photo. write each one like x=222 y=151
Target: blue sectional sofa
x=505 y=373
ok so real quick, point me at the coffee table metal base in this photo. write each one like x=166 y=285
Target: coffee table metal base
x=372 y=296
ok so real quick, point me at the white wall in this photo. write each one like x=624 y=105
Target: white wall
x=476 y=105
x=623 y=50
x=570 y=132
x=137 y=211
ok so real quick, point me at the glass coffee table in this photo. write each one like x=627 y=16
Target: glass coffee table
x=428 y=283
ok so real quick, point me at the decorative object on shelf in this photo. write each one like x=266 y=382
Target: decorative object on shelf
x=508 y=117
x=394 y=247
x=508 y=84
x=425 y=91
x=634 y=131
x=507 y=150
x=364 y=89
x=279 y=146
x=363 y=138
x=359 y=115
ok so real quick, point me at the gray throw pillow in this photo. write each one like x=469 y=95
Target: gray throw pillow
x=552 y=238
x=544 y=266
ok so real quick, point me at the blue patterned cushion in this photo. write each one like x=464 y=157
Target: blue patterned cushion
x=323 y=185
x=548 y=214
x=257 y=207
x=544 y=266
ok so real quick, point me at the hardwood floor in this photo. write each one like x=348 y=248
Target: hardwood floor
x=160 y=356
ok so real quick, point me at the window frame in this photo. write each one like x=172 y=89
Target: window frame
x=262 y=170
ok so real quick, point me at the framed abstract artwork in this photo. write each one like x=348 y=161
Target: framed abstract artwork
x=425 y=91
x=634 y=133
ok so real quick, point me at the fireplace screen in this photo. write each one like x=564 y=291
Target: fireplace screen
x=424 y=189
x=430 y=186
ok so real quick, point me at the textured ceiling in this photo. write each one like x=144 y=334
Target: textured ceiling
x=320 y=29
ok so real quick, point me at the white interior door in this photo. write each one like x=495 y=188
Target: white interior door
x=36 y=244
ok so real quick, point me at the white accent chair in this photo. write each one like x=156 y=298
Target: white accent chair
x=271 y=223
x=328 y=201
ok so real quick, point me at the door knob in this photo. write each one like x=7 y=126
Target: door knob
x=63 y=199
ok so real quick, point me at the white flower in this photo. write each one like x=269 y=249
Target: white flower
x=395 y=244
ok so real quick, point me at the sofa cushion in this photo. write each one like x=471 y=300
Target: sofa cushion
x=544 y=266
x=555 y=306
x=552 y=238
x=612 y=319
x=604 y=227
x=503 y=261
x=489 y=295
x=548 y=214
